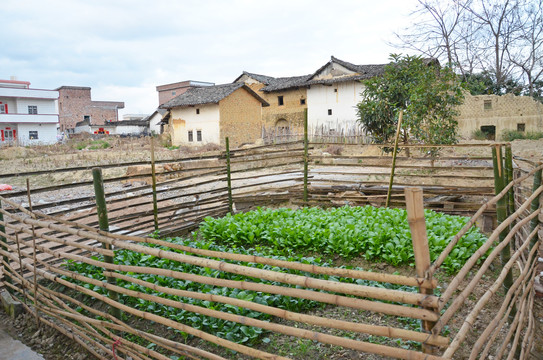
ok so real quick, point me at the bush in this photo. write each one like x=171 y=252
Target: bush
x=478 y=135
x=510 y=135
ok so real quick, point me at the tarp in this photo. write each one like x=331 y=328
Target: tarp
x=5 y=187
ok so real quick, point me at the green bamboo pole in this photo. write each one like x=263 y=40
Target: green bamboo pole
x=501 y=210
x=7 y=279
x=306 y=157
x=509 y=179
x=153 y=175
x=101 y=209
x=389 y=192
x=535 y=205
x=229 y=177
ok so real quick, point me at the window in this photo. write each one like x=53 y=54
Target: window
x=302 y=101
x=335 y=90
x=3 y=109
x=329 y=111
x=198 y=135
x=191 y=138
x=33 y=135
x=280 y=100
x=487 y=104
x=173 y=93
x=197 y=111
x=32 y=109
x=86 y=118
x=521 y=127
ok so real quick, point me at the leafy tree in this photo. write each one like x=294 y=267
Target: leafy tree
x=427 y=95
x=484 y=83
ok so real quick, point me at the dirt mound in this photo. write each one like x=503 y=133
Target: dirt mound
x=16 y=152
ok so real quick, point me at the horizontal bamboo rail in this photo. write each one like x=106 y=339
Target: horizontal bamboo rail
x=288 y=315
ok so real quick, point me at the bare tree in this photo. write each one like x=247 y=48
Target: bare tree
x=527 y=54
x=498 y=26
x=500 y=38
x=435 y=32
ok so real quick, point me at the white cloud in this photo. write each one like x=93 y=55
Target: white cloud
x=123 y=49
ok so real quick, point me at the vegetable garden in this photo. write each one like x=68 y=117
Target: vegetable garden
x=214 y=282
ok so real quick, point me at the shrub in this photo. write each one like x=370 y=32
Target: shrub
x=510 y=135
x=478 y=135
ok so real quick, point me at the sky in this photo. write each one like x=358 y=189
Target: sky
x=123 y=49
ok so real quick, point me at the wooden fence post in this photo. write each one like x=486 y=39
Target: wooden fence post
x=101 y=210
x=5 y=247
x=153 y=175
x=389 y=192
x=306 y=142
x=417 y=224
x=229 y=177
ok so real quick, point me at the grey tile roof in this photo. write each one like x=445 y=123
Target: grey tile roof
x=283 y=83
x=264 y=79
x=362 y=72
x=208 y=95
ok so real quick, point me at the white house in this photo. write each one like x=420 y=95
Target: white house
x=333 y=92
x=27 y=116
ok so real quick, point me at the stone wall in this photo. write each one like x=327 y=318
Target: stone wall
x=240 y=118
x=507 y=112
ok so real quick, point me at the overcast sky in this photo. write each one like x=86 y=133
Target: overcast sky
x=123 y=49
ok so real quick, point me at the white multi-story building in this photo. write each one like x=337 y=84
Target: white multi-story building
x=27 y=116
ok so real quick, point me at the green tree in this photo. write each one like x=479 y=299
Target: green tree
x=427 y=94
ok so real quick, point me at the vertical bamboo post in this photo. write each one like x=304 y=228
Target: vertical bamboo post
x=306 y=142
x=417 y=224
x=21 y=267
x=535 y=204
x=229 y=177
x=34 y=260
x=101 y=210
x=389 y=192
x=501 y=210
x=509 y=179
x=153 y=176
x=5 y=247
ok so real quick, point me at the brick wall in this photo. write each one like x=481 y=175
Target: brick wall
x=75 y=103
x=240 y=118
x=507 y=112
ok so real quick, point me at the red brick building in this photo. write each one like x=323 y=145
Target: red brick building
x=75 y=105
x=169 y=91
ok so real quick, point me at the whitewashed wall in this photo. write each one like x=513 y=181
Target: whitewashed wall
x=44 y=106
x=207 y=121
x=153 y=123
x=129 y=130
x=47 y=134
x=320 y=98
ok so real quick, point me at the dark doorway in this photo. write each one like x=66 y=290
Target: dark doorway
x=489 y=131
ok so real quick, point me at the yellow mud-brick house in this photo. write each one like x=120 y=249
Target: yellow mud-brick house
x=208 y=114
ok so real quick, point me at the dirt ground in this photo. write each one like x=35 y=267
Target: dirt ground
x=85 y=152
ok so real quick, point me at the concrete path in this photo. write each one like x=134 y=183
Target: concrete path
x=11 y=349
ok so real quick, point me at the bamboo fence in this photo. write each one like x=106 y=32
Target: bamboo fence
x=36 y=240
